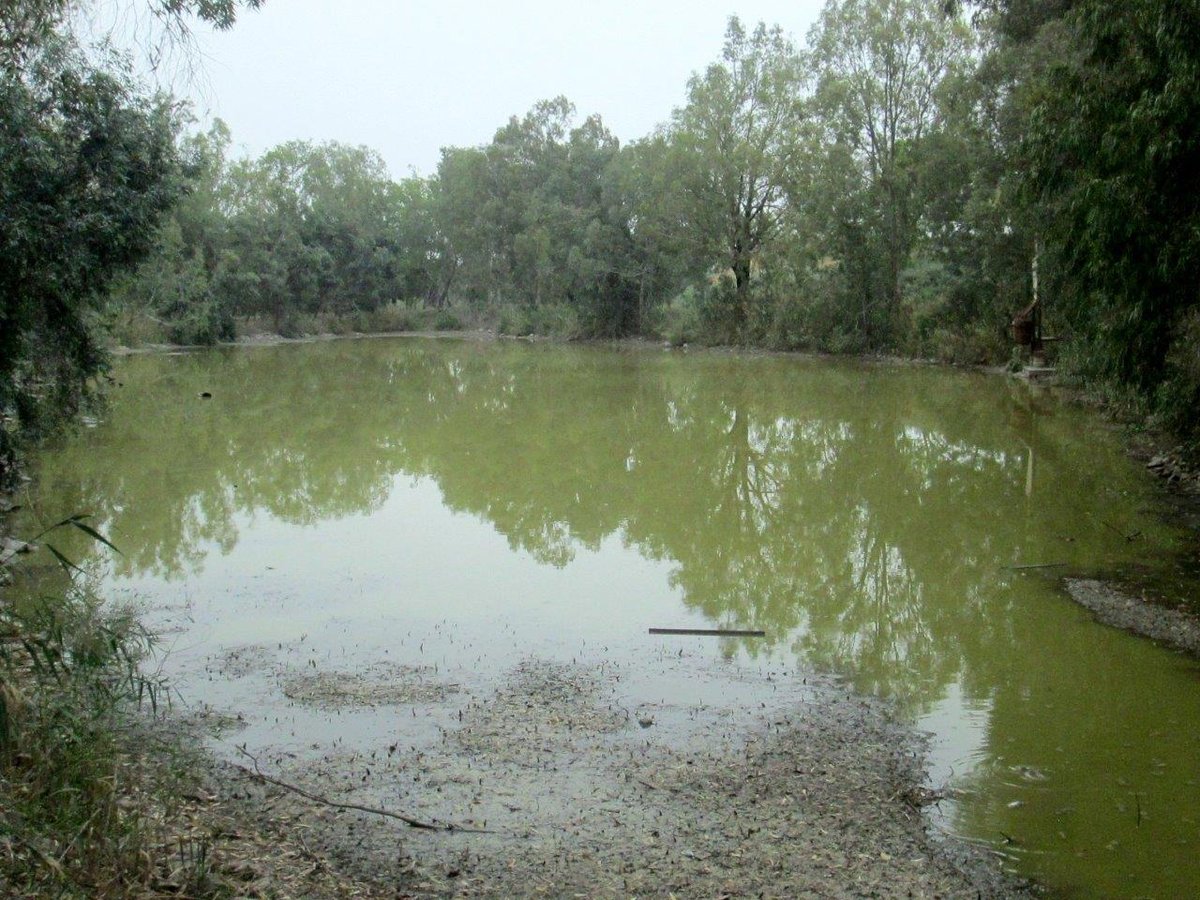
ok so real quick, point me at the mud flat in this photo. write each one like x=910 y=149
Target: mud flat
x=1175 y=628
x=559 y=788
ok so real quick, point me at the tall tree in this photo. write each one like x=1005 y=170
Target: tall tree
x=736 y=135
x=87 y=167
x=26 y=25
x=882 y=63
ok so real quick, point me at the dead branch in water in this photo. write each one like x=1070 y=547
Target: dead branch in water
x=710 y=632
x=407 y=820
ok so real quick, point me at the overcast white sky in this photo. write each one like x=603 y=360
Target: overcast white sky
x=407 y=78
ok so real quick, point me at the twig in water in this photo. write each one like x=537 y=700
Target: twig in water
x=1037 y=566
x=711 y=632
x=655 y=787
x=1131 y=537
x=407 y=820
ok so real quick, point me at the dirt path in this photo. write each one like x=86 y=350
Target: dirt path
x=580 y=797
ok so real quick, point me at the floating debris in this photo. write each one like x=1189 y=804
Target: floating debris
x=711 y=632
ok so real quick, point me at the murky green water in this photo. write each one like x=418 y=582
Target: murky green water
x=868 y=518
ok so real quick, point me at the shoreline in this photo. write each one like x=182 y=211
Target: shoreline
x=822 y=796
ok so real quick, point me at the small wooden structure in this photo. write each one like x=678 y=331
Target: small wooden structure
x=1027 y=327
x=1027 y=324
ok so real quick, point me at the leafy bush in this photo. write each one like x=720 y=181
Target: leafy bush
x=550 y=320
x=682 y=319
x=513 y=320
x=203 y=323
x=1178 y=398
x=296 y=324
x=394 y=316
x=973 y=345
x=817 y=314
x=447 y=320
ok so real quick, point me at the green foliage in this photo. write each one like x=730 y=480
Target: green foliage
x=1178 y=397
x=735 y=140
x=682 y=319
x=392 y=317
x=1111 y=155
x=27 y=26
x=447 y=320
x=882 y=68
x=556 y=320
x=882 y=189
x=87 y=168
x=70 y=677
x=536 y=219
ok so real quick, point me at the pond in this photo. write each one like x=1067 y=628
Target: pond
x=457 y=505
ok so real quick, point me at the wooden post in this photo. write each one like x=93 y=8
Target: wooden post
x=1037 y=250
x=1036 y=347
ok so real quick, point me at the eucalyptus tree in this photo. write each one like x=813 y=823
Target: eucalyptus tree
x=458 y=189
x=178 y=286
x=315 y=228
x=533 y=220
x=882 y=64
x=736 y=141
x=601 y=265
x=422 y=265
x=641 y=194
x=500 y=211
x=27 y=25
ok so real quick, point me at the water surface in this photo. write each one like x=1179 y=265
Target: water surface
x=467 y=504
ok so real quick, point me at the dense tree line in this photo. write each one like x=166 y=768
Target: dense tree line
x=885 y=187
x=833 y=196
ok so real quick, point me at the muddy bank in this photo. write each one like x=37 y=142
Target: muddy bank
x=1141 y=606
x=1175 y=628
x=271 y=339
x=571 y=794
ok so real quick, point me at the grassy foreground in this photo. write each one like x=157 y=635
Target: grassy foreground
x=98 y=796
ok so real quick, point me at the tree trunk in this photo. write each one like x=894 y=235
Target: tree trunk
x=741 y=301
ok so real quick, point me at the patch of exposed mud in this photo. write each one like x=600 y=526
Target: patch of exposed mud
x=1173 y=627
x=208 y=720
x=577 y=797
x=544 y=710
x=239 y=662
x=383 y=684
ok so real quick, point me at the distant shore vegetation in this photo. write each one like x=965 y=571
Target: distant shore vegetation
x=897 y=183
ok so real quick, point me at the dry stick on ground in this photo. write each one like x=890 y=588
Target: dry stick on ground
x=407 y=820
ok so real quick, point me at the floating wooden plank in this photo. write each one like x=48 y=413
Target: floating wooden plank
x=709 y=632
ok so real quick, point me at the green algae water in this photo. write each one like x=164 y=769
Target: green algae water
x=875 y=521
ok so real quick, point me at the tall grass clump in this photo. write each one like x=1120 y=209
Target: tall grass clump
x=72 y=766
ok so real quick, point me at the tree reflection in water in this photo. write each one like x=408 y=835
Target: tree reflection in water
x=866 y=514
